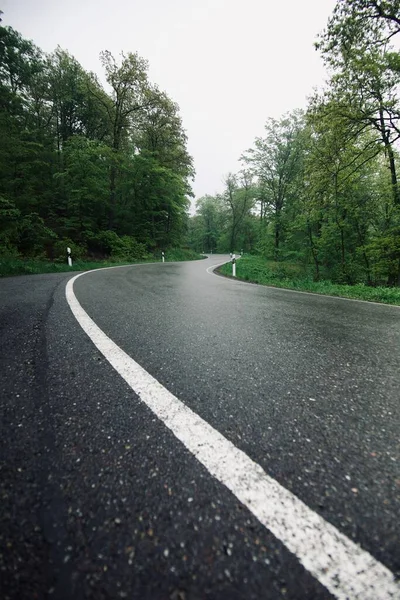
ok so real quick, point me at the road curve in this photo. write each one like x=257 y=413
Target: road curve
x=102 y=501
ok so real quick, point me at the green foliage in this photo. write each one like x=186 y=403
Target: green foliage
x=208 y=225
x=275 y=160
x=384 y=254
x=59 y=250
x=10 y=265
x=180 y=254
x=107 y=172
x=109 y=244
x=225 y=222
x=9 y=221
x=326 y=182
x=16 y=266
x=84 y=181
x=258 y=270
x=238 y=199
x=34 y=236
x=357 y=24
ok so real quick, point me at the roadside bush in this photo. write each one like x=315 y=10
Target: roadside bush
x=178 y=254
x=109 y=244
x=257 y=270
x=133 y=250
x=60 y=250
x=34 y=236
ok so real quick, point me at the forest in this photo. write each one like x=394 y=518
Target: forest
x=104 y=168
x=101 y=169
x=319 y=187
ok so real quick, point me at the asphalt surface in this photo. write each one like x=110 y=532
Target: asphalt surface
x=98 y=498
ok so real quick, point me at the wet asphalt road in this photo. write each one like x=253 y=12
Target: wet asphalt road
x=99 y=500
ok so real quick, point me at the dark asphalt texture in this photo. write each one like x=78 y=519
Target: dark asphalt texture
x=99 y=500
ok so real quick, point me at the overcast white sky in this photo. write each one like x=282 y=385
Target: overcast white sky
x=230 y=64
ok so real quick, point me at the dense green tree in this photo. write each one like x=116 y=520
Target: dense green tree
x=211 y=220
x=274 y=161
x=81 y=165
x=86 y=165
x=338 y=156
x=238 y=198
x=364 y=85
x=326 y=187
x=158 y=130
x=130 y=94
x=357 y=24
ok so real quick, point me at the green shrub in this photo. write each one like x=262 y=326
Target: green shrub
x=104 y=243
x=60 y=250
x=34 y=236
x=132 y=249
x=179 y=254
x=258 y=270
x=109 y=244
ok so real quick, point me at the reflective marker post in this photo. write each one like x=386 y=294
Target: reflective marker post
x=69 y=257
x=233 y=265
x=163 y=257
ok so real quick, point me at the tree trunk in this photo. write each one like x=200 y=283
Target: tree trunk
x=393 y=175
x=277 y=240
x=314 y=253
x=389 y=151
x=342 y=251
x=117 y=131
x=111 y=212
x=233 y=237
x=394 y=278
x=361 y=239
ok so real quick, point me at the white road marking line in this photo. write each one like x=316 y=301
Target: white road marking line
x=209 y=271
x=339 y=564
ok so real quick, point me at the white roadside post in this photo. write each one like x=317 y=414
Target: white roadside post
x=233 y=265
x=69 y=257
x=163 y=257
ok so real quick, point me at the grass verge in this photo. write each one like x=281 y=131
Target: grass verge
x=19 y=266
x=255 y=269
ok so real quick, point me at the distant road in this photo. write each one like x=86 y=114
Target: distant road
x=244 y=444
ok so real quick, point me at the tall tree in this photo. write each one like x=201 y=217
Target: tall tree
x=77 y=161
x=238 y=197
x=366 y=69
x=365 y=73
x=210 y=216
x=274 y=161
x=158 y=130
x=130 y=91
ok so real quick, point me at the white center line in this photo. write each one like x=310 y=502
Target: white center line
x=339 y=564
x=210 y=269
